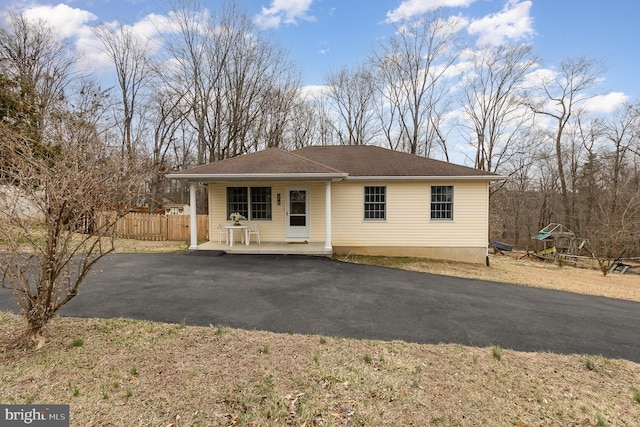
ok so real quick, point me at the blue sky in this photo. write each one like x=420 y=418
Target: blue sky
x=323 y=35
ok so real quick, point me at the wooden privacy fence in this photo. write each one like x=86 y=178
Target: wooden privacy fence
x=141 y=226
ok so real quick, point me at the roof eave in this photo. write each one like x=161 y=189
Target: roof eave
x=258 y=177
x=429 y=178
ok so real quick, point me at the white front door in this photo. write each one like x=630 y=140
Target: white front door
x=297 y=215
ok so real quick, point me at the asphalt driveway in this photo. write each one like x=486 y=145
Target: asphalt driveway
x=316 y=295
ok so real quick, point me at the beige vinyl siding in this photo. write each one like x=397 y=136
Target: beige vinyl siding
x=407 y=229
x=408 y=220
x=270 y=230
x=317 y=209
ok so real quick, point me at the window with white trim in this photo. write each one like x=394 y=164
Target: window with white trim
x=253 y=203
x=375 y=202
x=442 y=202
x=260 y=202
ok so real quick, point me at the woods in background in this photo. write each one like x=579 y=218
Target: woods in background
x=207 y=85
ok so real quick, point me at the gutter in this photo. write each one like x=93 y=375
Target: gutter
x=340 y=176
x=259 y=177
x=429 y=178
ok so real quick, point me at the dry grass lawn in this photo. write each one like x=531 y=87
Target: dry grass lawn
x=120 y=372
x=512 y=268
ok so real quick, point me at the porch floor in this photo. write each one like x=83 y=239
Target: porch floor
x=271 y=248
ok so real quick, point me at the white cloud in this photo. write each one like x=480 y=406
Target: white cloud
x=411 y=8
x=456 y=23
x=284 y=11
x=538 y=77
x=92 y=58
x=73 y=24
x=151 y=25
x=459 y=68
x=606 y=103
x=512 y=23
x=65 y=20
x=266 y=20
x=311 y=92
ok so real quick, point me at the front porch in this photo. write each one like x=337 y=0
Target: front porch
x=293 y=218
x=267 y=248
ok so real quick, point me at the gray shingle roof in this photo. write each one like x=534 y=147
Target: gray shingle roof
x=272 y=161
x=369 y=160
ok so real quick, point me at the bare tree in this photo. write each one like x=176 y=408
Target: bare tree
x=258 y=81
x=586 y=172
x=491 y=100
x=195 y=51
x=302 y=128
x=237 y=84
x=616 y=224
x=561 y=96
x=622 y=132
x=610 y=185
x=167 y=118
x=325 y=129
x=38 y=65
x=351 y=95
x=49 y=224
x=412 y=67
x=514 y=204
x=183 y=155
x=130 y=56
x=276 y=111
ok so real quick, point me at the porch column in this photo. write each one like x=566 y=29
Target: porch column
x=327 y=216
x=192 y=216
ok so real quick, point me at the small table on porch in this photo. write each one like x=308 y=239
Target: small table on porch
x=232 y=227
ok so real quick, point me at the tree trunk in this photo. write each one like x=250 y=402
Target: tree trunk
x=566 y=202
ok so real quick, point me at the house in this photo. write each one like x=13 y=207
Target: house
x=176 y=209
x=14 y=203
x=351 y=199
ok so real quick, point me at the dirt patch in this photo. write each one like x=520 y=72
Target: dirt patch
x=149 y=246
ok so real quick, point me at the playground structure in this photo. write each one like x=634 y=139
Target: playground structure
x=557 y=243
x=557 y=239
x=618 y=266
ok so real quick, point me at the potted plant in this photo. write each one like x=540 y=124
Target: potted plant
x=236 y=217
